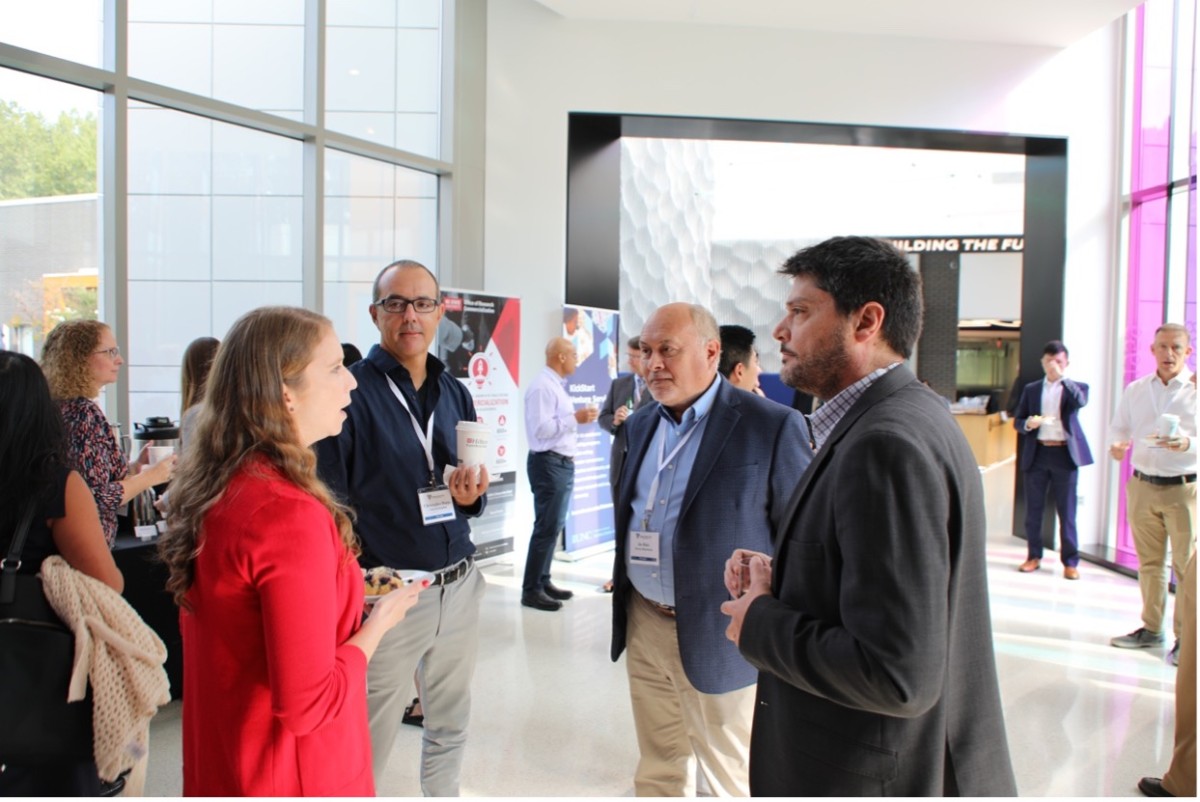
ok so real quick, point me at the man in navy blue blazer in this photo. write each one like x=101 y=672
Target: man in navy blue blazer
x=709 y=468
x=1053 y=449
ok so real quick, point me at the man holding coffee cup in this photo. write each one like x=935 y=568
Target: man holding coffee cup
x=551 y=424
x=1053 y=449
x=395 y=462
x=1156 y=419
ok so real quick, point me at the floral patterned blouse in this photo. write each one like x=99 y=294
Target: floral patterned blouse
x=93 y=451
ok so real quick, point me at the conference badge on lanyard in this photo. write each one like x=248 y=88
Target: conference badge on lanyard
x=437 y=505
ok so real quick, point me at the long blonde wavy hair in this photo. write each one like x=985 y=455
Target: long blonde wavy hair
x=245 y=415
x=65 y=355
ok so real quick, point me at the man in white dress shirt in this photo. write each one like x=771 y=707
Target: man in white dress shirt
x=551 y=423
x=1157 y=420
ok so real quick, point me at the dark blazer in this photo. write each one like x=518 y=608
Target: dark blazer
x=875 y=650
x=751 y=455
x=1074 y=398
x=620 y=393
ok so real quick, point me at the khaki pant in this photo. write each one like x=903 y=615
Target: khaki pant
x=1180 y=779
x=677 y=726
x=1158 y=515
x=439 y=639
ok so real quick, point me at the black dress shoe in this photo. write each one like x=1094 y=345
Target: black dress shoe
x=557 y=592
x=1152 y=786
x=541 y=602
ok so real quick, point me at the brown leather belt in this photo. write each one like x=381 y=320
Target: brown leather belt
x=1052 y=443
x=662 y=609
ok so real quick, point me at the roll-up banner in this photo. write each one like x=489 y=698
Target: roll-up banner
x=594 y=333
x=479 y=340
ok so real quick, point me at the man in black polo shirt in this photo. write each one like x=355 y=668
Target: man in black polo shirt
x=388 y=464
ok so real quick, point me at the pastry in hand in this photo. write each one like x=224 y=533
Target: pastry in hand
x=380 y=580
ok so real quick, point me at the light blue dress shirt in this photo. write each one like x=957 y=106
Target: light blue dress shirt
x=550 y=423
x=657 y=582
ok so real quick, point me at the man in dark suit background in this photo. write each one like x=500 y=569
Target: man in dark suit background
x=870 y=628
x=709 y=468
x=739 y=358
x=1053 y=449
x=626 y=395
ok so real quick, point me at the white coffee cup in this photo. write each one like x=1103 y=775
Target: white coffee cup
x=159 y=453
x=474 y=442
x=1168 y=425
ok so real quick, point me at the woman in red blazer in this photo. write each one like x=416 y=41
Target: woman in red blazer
x=262 y=563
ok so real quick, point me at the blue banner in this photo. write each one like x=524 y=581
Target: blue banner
x=594 y=333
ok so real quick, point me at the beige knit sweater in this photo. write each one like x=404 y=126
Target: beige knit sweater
x=122 y=657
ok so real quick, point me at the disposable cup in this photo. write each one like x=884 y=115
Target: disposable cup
x=159 y=453
x=1168 y=425
x=474 y=441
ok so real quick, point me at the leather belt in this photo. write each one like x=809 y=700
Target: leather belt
x=1185 y=479
x=1053 y=443
x=662 y=609
x=454 y=572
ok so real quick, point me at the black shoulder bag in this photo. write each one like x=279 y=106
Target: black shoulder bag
x=37 y=653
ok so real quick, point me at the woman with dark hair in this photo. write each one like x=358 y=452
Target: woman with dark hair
x=197 y=362
x=350 y=354
x=262 y=562
x=79 y=358
x=65 y=522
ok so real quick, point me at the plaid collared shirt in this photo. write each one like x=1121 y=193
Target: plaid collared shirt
x=822 y=422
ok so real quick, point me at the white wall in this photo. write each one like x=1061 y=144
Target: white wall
x=542 y=66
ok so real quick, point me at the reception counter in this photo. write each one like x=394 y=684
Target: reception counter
x=992 y=437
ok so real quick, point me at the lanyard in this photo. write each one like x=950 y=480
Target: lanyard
x=425 y=437
x=662 y=463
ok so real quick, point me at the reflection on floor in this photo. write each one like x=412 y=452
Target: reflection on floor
x=551 y=712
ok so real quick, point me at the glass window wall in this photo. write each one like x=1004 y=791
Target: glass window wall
x=226 y=192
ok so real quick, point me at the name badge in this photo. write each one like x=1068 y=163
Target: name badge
x=643 y=547
x=437 y=505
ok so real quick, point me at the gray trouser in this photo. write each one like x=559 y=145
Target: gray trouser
x=438 y=639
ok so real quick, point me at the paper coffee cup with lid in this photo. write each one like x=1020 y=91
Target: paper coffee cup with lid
x=474 y=442
x=1167 y=426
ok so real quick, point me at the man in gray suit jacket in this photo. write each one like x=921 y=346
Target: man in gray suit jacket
x=709 y=468
x=870 y=628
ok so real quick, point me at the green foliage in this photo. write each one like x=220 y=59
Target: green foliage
x=40 y=159
x=79 y=303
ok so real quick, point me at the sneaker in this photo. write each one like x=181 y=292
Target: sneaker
x=1140 y=638
x=1173 y=655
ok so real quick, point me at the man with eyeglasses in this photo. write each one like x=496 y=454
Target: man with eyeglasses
x=390 y=463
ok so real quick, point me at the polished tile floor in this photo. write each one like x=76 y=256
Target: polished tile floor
x=551 y=711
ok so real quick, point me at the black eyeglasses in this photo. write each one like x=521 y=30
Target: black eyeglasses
x=396 y=305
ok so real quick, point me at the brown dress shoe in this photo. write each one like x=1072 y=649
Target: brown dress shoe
x=1070 y=572
x=1029 y=565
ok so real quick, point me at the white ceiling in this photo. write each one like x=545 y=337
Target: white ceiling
x=1053 y=23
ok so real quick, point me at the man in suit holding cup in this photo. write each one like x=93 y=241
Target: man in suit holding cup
x=1053 y=450
x=1156 y=420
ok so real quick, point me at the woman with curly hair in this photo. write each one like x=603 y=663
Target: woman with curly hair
x=262 y=562
x=34 y=471
x=79 y=358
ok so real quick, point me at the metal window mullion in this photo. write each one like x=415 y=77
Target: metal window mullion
x=312 y=270
x=1166 y=274
x=114 y=197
